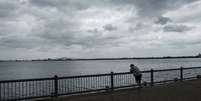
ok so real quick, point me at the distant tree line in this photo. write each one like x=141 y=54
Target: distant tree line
x=124 y=58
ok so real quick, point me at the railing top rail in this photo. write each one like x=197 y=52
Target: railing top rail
x=192 y=68
x=24 y=80
x=121 y=73
x=184 y=68
x=95 y=75
x=84 y=76
x=160 y=70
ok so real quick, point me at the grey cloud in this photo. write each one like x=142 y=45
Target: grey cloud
x=7 y=8
x=95 y=30
x=61 y=4
x=150 y=7
x=176 y=28
x=67 y=33
x=154 y=8
x=109 y=27
x=14 y=41
x=61 y=23
x=158 y=7
x=138 y=26
x=162 y=20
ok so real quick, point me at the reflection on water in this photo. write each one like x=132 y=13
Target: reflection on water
x=21 y=70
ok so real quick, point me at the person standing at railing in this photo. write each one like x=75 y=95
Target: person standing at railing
x=137 y=74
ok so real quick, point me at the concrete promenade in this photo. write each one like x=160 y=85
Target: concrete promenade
x=177 y=91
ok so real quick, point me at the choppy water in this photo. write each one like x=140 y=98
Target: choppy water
x=37 y=88
x=22 y=70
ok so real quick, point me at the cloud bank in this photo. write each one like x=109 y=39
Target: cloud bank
x=99 y=28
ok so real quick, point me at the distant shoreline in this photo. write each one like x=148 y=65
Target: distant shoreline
x=82 y=59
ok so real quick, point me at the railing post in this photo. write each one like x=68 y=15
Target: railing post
x=152 y=77
x=181 y=74
x=112 y=80
x=55 y=86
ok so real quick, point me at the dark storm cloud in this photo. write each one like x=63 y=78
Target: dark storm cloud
x=152 y=8
x=163 y=20
x=176 y=28
x=109 y=27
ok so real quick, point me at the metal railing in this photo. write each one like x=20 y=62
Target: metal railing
x=57 y=86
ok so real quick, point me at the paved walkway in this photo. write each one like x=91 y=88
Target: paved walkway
x=179 y=91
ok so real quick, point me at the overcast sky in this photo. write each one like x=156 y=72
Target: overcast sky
x=31 y=29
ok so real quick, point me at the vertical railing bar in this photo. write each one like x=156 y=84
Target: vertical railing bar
x=0 y=92
x=91 y=82
x=75 y=85
x=16 y=90
x=26 y=93
x=8 y=85
x=82 y=83
x=152 y=77
x=60 y=86
x=112 y=80
x=123 y=80
x=70 y=85
x=56 y=86
x=64 y=86
x=49 y=87
x=45 y=87
x=37 y=88
x=118 y=78
x=52 y=88
x=85 y=85
x=13 y=90
x=22 y=89
x=4 y=91
x=127 y=80
x=36 y=83
x=79 y=84
x=8 y=90
x=181 y=74
x=96 y=81
x=68 y=89
x=34 y=88
x=105 y=81
x=99 y=82
x=41 y=88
